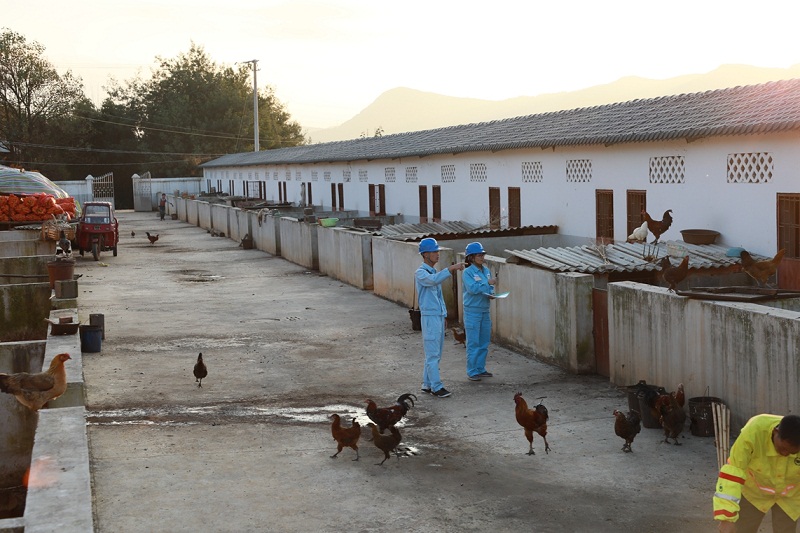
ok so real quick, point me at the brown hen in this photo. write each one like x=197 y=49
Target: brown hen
x=761 y=270
x=345 y=437
x=674 y=275
x=459 y=336
x=673 y=418
x=35 y=390
x=386 y=443
x=627 y=426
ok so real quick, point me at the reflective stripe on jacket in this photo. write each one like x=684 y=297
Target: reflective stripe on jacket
x=757 y=472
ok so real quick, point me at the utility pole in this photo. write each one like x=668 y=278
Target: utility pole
x=256 y=143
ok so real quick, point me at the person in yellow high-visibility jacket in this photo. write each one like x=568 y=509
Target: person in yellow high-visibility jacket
x=763 y=473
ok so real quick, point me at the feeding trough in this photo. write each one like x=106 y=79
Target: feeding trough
x=699 y=236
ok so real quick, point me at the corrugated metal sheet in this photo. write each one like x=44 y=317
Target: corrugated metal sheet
x=458 y=229
x=769 y=107
x=428 y=228
x=622 y=257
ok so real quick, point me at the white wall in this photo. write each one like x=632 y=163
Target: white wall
x=744 y=214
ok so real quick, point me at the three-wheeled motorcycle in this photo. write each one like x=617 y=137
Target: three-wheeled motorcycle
x=98 y=229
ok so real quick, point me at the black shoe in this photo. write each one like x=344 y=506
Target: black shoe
x=486 y=374
x=429 y=391
x=476 y=377
x=442 y=393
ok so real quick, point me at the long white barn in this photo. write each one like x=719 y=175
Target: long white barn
x=727 y=160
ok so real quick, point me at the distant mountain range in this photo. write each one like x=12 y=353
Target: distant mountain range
x=402 y=109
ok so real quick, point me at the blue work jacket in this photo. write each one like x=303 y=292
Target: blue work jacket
x=476 y=285
x=429 y=290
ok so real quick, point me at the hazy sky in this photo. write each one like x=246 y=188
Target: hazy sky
x=327 y=60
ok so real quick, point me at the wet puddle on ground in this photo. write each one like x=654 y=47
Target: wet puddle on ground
x=175 y=416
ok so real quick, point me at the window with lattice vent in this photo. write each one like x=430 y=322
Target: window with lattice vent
x=753 y=167
x=287 y=175
x=532 y=172
x=363 y=177
x=411 y=174
x=388 y=175
x=448 y=173
x=314 y=175
x=346 y=175
x=326 y=175
x=275 y=175
x=477 y=172
x=298 y=175
x=579 y=170
x=668 y=169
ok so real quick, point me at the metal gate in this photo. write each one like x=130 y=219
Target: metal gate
x=142 y=192
x=103 y=188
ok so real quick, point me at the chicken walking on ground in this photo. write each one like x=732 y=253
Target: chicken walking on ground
x=658 y=227
x=151 y=238
x=673 y=418
x=35 y=390
x=386 y=417
x=133 y=234
x=459 y=336
x=200 y=370
x=345 y=437
x=627 y=426
x=761 y=271
x=386 y=443
x=532 y=420
x=673 y=275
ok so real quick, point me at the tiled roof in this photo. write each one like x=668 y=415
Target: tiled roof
x=622 y=257
x=769 y=107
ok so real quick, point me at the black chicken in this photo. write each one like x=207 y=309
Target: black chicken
x=63 y=246
x=200 y=370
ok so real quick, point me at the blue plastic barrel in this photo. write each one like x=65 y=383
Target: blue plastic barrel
x=91 y=339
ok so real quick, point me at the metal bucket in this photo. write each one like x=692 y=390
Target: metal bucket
x=91 y=339
x=634 y=404
x=701 y=415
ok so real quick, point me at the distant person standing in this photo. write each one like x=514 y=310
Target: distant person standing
x=433 y=313
x=162 y=205
x=478 y=287
x=762 y=474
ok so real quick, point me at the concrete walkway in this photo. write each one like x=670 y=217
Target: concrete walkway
x=285 y=348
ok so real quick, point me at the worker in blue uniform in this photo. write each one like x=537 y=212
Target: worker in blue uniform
x=479 y=286
x=433 y=313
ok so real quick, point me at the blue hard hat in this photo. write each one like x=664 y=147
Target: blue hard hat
x=474 y=248
x=428 y=245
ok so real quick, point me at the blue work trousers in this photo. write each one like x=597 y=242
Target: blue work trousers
x=432 y=343
x=478 y=327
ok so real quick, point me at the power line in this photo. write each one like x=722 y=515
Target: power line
x=107 y=151
x=229 y=137
x=96 y=164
